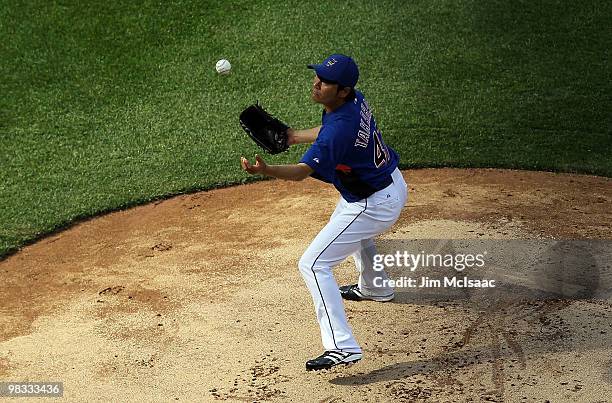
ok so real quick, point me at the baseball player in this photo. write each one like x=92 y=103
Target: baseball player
x=347 y=151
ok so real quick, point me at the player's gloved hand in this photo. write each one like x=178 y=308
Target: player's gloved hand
x=265 y=129
x=259 y=167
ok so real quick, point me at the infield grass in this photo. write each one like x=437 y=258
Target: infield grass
x=108 y=104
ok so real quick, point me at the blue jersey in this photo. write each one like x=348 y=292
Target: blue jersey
x=350 y=153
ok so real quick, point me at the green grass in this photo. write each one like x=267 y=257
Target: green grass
x=108 y=105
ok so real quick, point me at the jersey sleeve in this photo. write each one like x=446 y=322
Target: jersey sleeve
x=325 y=153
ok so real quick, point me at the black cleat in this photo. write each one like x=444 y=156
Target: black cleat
x=352 y=293
x=332 y=358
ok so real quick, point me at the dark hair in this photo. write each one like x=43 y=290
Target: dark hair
x=351 y=95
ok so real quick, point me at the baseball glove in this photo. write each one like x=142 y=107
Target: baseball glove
x=266 y=130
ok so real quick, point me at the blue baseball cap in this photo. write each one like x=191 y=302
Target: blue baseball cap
x=339 y=69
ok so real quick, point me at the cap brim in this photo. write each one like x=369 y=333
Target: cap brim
x=321 y=72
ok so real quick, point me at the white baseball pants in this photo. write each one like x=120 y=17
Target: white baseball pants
x=350 y=231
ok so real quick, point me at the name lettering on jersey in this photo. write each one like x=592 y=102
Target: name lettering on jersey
x=363 y=136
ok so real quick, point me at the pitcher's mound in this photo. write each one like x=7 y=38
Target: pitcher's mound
x=198 y=298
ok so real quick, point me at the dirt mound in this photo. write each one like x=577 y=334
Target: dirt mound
x=199 y=298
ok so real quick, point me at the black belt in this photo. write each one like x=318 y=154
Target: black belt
x=368 y=191
x=386 y=182
x=359 y=188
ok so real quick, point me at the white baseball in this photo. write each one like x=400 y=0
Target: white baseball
x=223 y=66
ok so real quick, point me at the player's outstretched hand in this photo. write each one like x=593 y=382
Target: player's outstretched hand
x=259 y=167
